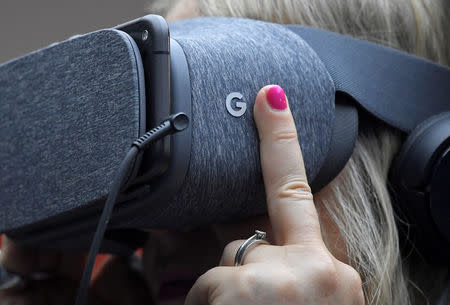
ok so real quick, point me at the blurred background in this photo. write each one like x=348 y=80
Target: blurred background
x=27 y=25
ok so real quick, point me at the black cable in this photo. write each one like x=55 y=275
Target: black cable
x=103 y=223
x=173 y=124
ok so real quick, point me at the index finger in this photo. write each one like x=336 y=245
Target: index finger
x=289 y=200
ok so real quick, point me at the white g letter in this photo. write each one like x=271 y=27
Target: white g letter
x=241 y=106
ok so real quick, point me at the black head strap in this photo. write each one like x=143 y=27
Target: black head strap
x=400 y=89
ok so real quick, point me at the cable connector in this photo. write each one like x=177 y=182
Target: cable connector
x=175 y=123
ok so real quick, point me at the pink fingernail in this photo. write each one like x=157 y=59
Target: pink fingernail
x=276 y=98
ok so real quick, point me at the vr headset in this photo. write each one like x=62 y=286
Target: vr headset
x=71 y=111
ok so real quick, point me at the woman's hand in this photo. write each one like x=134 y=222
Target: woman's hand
x=298 y=268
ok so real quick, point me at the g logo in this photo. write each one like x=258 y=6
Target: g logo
x=241 y=106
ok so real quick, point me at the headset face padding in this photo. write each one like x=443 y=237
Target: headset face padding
x=68 y=114
x=420 y=177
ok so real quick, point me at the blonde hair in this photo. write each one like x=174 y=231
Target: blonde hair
x=361 y=206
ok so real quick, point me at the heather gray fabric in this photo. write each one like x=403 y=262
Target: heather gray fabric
x=227 y=55
x=224 y=179
x=69 y=114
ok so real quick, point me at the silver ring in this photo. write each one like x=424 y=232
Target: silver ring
x=258 y=238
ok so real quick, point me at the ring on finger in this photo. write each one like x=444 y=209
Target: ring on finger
x=258 y=238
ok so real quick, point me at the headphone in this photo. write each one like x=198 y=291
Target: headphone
x=420 y=178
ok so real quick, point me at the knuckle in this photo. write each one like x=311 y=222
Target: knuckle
x=248 y=279
x=326 y=275
x=205 y=278
x=355 y=286
x=204 y=281
x=211 y=273
x=285 y=135
x=287 y=286
x=294 y=186
x=355 y=279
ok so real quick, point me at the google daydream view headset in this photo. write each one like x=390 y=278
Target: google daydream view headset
x=71 y=111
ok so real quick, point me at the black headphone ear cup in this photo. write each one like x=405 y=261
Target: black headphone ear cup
x=414 y=156
x=410 y=178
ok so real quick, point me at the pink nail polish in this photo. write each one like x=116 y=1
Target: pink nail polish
x=276 y=98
